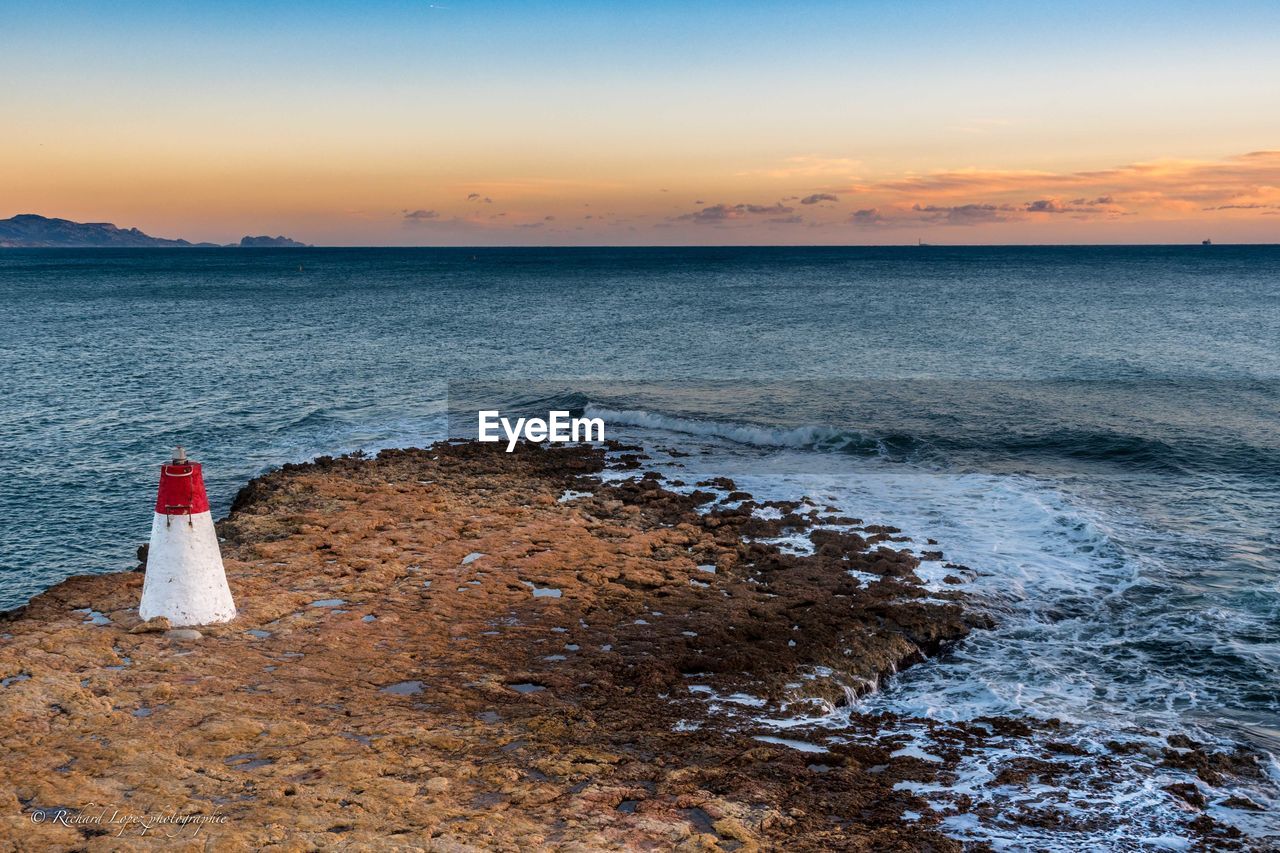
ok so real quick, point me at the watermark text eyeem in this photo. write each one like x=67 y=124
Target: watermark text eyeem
x=558 y=427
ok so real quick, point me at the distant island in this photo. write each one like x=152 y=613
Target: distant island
x=32 y=231
x=265 y=242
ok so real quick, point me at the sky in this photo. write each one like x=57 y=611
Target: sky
x=476 y=122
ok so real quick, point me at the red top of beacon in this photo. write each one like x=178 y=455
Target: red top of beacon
x=181 y=487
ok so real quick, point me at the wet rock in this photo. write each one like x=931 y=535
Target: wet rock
x=1210 y=766
x=724 y=484
x=1239 y=802
x=1188 y=793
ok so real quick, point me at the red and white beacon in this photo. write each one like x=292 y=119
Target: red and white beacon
x=185 y=581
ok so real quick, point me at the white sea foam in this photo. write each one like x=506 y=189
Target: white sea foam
x=1054 y=572
x=1029 y=547
x=800 y=745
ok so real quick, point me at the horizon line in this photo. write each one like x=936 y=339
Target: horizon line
x=221 y=247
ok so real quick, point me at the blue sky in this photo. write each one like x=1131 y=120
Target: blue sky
x=320 y=113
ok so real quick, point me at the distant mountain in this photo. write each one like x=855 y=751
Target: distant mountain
x=30 y=231
x=270 y=243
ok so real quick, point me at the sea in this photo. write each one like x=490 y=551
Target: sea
x=1093 y=431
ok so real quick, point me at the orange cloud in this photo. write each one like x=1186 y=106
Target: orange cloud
x=809 y=166
x=1165 y=188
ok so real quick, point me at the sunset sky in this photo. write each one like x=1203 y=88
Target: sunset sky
x=462 y=122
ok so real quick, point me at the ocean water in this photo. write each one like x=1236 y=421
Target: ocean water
x=1094 y=431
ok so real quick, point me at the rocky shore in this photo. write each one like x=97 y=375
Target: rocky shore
x=457 y=648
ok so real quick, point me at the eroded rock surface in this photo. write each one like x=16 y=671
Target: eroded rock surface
x=436 y=649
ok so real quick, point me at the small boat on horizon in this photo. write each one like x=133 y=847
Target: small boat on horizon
x=1206 y=242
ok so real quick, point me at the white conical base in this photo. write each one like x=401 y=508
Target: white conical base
x=185 y=581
